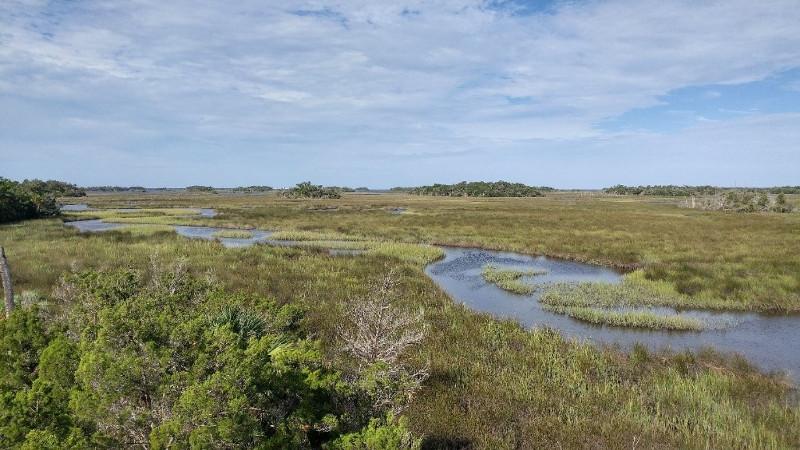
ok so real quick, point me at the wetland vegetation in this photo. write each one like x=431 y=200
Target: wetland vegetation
x=233 y=234
x=510 y=279
x=483 y=382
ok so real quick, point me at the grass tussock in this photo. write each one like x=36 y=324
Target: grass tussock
x=510 y=279
x=233 y=234
x=417 y=254
x=630 y=319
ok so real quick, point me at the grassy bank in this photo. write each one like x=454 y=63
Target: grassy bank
x=493 y=384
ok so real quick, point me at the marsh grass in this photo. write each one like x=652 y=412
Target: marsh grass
x=510 y=279
x=493 y=384
x=743 y=261
x=139 y=212
x=233 y=234
x=630 y=319
x=634 y=290
x=291 y=235
x=409 y=252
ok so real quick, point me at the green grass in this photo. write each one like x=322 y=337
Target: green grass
x=233 y=234
x=748 y=261
x=630 y=319
x=290 y=235
x=510 y=279
x=493 y=384
x=634 y=290
x=138 y=213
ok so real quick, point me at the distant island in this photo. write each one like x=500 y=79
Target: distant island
x=478 y=189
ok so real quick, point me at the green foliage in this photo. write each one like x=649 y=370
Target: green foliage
x=116 y=189
x=662 y=190
x=53 y=188
x=166 y=359
x=479 y=189
x=389 y=434
x=27 y=200
x=22 y=338
x=253 y=189
x=308 y=190
x=199 y=188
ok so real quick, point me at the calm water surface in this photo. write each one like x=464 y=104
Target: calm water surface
x=771 y=342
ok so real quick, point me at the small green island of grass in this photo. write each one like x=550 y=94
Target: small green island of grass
x=233 y=234
x=510 y=279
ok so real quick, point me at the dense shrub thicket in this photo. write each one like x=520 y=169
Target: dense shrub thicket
x=30 y=199
x=125 y=359
x=308 y=190
x=686 y=191
x=479 y=189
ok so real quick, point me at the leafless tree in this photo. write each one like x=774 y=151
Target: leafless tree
x=377 y=332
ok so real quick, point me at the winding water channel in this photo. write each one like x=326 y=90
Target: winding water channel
x=771 y=342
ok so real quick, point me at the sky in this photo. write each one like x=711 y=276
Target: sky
x=570 y=94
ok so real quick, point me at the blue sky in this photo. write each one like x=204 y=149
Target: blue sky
x=561 y=93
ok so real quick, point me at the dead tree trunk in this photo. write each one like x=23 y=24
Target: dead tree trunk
x=5 y=275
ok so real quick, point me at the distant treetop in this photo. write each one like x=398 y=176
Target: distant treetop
x=200 y=188
x=253 y=189
x=478 y=189
x=308 y=190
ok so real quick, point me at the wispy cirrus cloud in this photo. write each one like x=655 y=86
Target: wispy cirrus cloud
x=337 y=81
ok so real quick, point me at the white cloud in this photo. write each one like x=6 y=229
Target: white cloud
x=361 y=76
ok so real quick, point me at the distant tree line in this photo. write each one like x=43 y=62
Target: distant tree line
x=741 y=201
x=252 y=189
x=671 y=190
x=115 y=188
x=198 y=188
x=308 y=190
x=478 y=189
x=31 y=199
x=662 y=190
